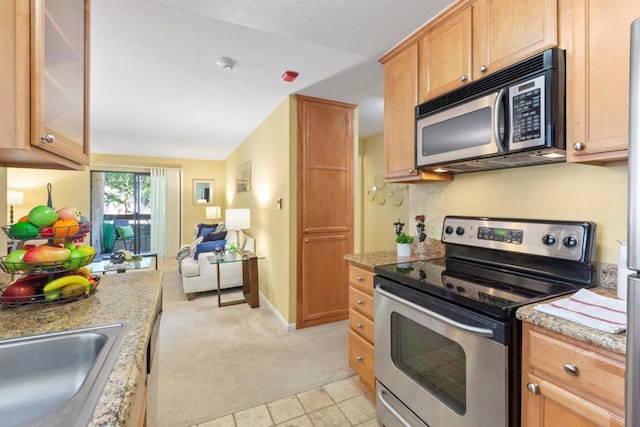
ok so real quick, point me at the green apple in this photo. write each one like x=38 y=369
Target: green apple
x=14 y=261
x=42 y=216
x=77 y=258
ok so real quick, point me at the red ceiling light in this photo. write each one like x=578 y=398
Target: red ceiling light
x=289 y=76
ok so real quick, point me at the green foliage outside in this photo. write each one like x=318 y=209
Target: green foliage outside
x=119 y=190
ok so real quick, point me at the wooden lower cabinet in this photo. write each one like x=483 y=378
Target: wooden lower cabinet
x=568 y=383
x=361 y=336
x=138 y=414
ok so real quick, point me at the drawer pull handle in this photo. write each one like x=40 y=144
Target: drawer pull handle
x=359 y=278
x=359 y=325
x=359 y=358
x=359 y=302
x=533 y=388
x=570 y=369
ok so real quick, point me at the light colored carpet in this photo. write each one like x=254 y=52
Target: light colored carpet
x=215 y=361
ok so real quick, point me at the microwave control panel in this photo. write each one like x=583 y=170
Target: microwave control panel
x=527 y=116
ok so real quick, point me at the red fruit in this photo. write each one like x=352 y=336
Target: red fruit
x=17 y=292
x=46 y=254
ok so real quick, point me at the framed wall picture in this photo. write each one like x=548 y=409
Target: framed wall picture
x=243 y=177
x=203 y=191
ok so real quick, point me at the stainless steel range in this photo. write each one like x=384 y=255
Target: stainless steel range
x=448 y=344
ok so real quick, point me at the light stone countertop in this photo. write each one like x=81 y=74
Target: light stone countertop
x=133 y=298
x=433 y=249
x=616 y=343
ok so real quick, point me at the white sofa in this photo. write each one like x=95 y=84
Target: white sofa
x=200 y=276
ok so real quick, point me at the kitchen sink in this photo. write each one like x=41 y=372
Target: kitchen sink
x=56 y=379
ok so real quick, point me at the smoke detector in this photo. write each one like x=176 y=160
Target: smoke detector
x=226 y=63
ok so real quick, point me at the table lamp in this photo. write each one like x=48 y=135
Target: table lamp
x=237 y=219
x=212 y=212
x=14 y=198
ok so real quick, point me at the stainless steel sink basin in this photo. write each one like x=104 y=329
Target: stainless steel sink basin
x=56 y=379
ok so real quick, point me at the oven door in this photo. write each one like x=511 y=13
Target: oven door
x=437 y=360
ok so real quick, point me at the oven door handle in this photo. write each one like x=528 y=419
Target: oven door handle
x=391 y=408
x=472 y=329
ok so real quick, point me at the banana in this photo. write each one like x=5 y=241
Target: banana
x=74 y=290
x=61 y=282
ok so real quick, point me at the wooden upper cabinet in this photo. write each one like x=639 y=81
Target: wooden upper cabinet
x=400 y=96
x=445 y=56
x=597 y=45
x=45 y=86
x=507 y=31
x=476 y=38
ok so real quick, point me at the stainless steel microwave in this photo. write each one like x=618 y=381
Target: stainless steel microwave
x=514 y=117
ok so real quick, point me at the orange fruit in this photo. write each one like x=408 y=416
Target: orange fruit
x=24 y=218
x=65 y=228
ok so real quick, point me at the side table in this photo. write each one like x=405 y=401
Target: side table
x=250 y=285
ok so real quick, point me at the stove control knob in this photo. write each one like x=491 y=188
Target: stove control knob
x=448 y=229
x=449 y=285
x=461 y=290
x=459 y=231
x=570 y=242
x=548 y=239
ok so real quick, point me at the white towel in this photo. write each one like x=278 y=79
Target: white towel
x=590 y=309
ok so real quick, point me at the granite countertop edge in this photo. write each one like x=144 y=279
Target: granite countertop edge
x=616 y=343
x=130 y=298
x=432 y=248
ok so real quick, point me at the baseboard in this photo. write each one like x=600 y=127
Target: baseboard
x=266 y=303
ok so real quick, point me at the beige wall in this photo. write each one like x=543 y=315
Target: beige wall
x=269 y=150
x=558 y=191
x=378 y=216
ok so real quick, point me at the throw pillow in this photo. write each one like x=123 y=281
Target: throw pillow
x=195 y=244
x=125 y=231
x=209 y=247
x=200 y=226
x=221 y=227
x=215 y=236
x=206 y=230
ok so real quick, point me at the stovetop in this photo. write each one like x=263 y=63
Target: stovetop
x=494 y=266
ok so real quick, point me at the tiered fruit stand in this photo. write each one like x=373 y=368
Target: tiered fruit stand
x=37 y=273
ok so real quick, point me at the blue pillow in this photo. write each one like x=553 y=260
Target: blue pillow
x=209 y=247
x=203 y=231
x=214 y=236
x=203 y=225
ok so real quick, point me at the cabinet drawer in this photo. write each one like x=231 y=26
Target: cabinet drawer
x=361 y=358
x=361 y=325
x=361 y=302
x=597 y=375
x=361 y=279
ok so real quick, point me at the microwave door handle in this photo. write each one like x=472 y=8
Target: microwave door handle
x=483 y=332
x=496 y=118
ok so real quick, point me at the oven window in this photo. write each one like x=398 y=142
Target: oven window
x=430 y=359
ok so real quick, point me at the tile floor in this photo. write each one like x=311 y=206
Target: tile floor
x=343 y=403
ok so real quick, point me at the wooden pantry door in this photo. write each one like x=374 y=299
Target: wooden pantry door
x=325 y=209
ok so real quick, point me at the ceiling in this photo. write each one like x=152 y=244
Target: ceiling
x=156 y=89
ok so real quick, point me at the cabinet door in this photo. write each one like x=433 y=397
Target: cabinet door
x=545 y=404
x=598 y=79
x=507 y=31
x=400 y=94
x=59 y=77
x=445 y=56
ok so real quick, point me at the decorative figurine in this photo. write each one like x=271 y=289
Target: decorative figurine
x=398 y=226
x=421 y=235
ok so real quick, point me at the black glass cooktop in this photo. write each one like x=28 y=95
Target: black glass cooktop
x=492 y=290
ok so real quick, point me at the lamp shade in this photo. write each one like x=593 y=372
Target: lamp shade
x=237 y=219
x=15 y=197
x=213 y=212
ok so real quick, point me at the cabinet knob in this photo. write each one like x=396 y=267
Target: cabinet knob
x=49 y=137
x=359 y=278
x=359 y=325
x=533 y=388
x=483 y=68
x=412 y=170
x=579 y=146
x=570 y=369
x=359 y=302
x=463 y=78
x=359 y=358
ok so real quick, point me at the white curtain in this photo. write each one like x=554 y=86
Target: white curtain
x=166 y=212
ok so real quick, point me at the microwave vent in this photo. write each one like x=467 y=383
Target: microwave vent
x=541 y=62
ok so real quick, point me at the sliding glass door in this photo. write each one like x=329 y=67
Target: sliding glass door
x=121 y=211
